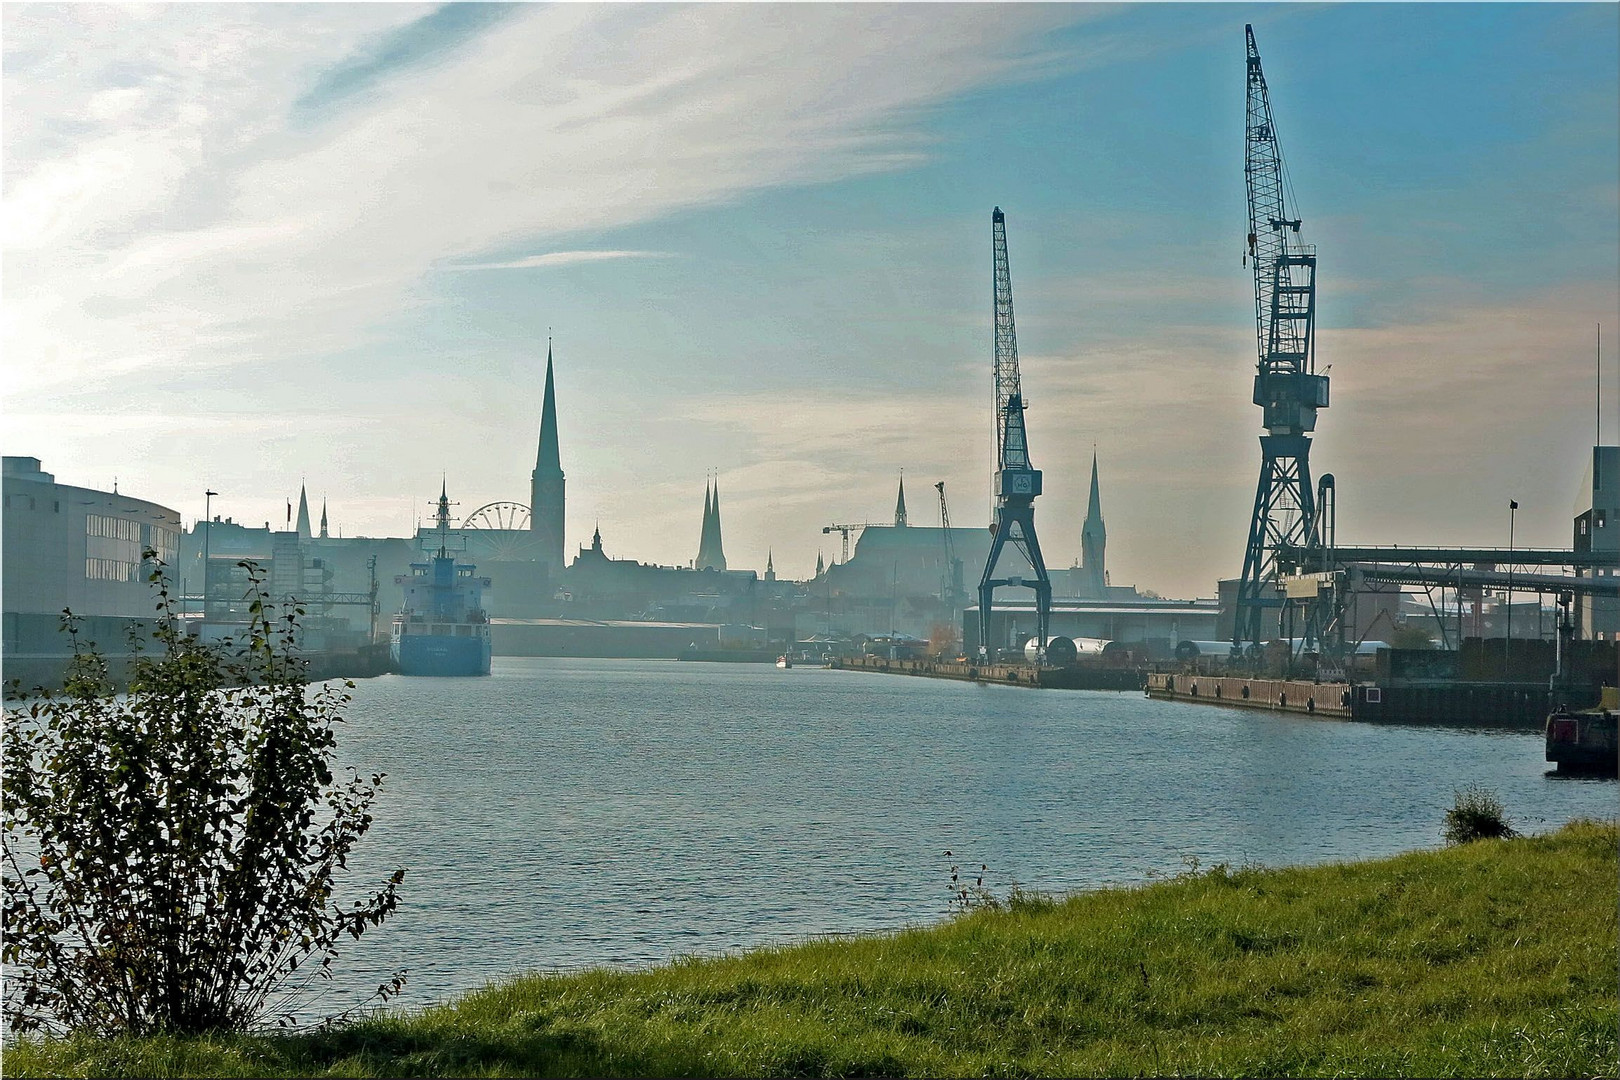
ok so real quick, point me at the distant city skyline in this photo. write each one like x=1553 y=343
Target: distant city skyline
x=253 y=246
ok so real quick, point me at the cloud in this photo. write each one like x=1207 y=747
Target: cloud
x=560 y=258
x=187 y=220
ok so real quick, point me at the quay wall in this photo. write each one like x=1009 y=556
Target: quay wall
x=1285 y=695
x=1065 y=678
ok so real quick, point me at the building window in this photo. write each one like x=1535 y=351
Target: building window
x=1599 y=517
x=112 y=548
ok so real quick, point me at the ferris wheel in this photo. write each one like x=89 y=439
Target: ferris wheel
x=498 y=515
x=505 y=532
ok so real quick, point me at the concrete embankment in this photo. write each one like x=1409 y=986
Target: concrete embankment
x=1076 y=677
x=1286 y=695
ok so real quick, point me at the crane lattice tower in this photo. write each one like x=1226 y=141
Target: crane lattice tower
x=1286 y=385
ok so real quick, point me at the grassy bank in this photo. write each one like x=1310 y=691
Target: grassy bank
x=1492 y=959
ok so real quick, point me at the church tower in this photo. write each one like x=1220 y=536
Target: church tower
x=900 y=505
x=1093 y=542
x=546 y=489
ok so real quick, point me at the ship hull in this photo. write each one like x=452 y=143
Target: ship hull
x=441 y=654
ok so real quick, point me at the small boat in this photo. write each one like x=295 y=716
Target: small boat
x=784 y=661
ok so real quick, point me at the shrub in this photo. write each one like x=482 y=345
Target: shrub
x=1477 y=814
x=171 y=854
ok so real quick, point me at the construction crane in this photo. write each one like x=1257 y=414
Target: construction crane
x=1017 y=482
x=950 y=589
x=849 y=528
x=1286 y=385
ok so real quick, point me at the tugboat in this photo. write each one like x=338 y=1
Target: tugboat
x=443 y=628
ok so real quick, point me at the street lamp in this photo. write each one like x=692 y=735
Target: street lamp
x=208 y=520
x=1513 y=510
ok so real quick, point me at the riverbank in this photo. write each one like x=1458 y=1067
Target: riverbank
x=1491 y=959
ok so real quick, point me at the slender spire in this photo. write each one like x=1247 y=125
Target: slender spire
x=711 y=554
x=547 y=487
x=821 y=564
x=304 y=531
x=1094 y=540
x=323 y=518
x=900 y=503
x=770 y=565
x=549 y=458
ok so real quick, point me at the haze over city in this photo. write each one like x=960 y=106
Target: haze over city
x=249 y=246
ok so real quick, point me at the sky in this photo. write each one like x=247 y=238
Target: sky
x=247 y=247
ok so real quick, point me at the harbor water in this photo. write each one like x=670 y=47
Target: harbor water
x=561 y=814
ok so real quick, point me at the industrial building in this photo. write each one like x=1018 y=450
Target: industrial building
x=79 y=549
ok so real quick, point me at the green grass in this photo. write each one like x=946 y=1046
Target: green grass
x=1495 y=958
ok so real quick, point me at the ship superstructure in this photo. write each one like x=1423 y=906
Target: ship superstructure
x=443 y=628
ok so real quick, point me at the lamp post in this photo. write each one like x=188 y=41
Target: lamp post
x=208 y=531
x=1513 y=510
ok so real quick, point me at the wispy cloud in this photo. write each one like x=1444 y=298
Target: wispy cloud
x=179 y=216
x=560 y=258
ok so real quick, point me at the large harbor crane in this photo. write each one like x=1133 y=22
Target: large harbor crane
x=1286 y=385
x=1017 y=482
x=950 y=589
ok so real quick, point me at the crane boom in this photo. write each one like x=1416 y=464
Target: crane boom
x=1006 y=349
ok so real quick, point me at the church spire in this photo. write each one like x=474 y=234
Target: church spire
x=547 y=488
x=1094 y=541
x=770 y=565
x=549 y=457
x=304 y=532
x=323 y=517
x=821 y=565
x=900 y=503
x=711 y=554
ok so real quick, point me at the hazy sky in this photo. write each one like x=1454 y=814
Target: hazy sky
x=247 y=245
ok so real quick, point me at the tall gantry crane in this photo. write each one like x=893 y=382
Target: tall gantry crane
x=950 y=586
x=1017 y=482
x=1286 y=385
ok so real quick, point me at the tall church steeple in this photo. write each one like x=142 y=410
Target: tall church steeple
x=900 y=504
x=711 y=553
x=547 y=488
x=770 y=566
x=323 y=518
x=304 y=531
x=1093 y=542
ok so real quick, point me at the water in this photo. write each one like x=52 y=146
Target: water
x=570 y=813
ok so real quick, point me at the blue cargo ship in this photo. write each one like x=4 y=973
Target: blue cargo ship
x=443 y=628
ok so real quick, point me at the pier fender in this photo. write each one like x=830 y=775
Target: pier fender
x=1310 y=704
x=1344 y=700
x=1217 y=689
x=1245 y=691
x=1194 y=690
x=1282 y=701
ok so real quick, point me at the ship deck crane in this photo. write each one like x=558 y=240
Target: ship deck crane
x=1286 y=384
x=1017 y=481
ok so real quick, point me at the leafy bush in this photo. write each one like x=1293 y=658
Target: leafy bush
x=171 y=854
x=1477 y=814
